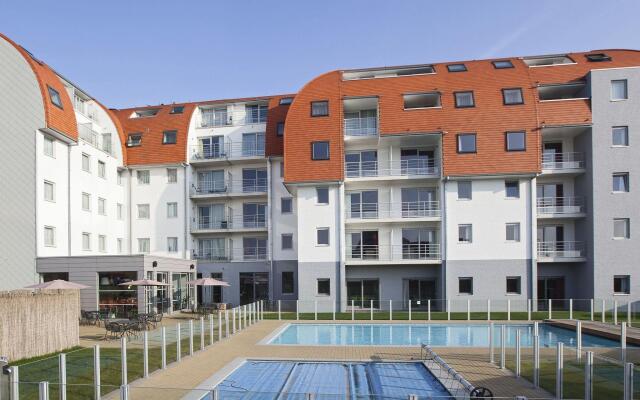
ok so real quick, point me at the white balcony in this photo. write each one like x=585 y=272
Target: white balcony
x=101 y=141
x=228 y=152
x=563 y=163
x=361 y=127
x=227 y=188
x=423 y=253
x=553 y=251
x=403 y=169
x=560 y=207
x=260 y=253
x=393 y=212
x=230 y=223
x=218 y=117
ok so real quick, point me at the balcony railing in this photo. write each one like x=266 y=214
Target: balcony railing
x=412 y=168
x=405 y=209
x=562 y=161
x=404 y=252
x=560 y=205
x=230 y=222
x=212 y=118
x=367 y=126
x=555 y=249
x=228 y=150
x=226 y=187
x=101 y=141
x=234 y=254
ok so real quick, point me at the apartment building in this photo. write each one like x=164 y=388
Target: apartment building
x=502 y=179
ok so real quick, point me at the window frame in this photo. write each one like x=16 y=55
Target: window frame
x=465 y=226
x=285 y=101
x=626 y=90
x=102 y=240
x=323 y=280
x=49 y=140
x=462 y=279
x=137 y=143
x=138 y=175
x=102 y=169
x=313 y=153
x=456 y=66
x=625 y=177
x=506 y=141
x=88 y=197
x=494 y=62
x=318 y=202
x=87 y=157
x=504 y=97
x=507 y=183
x=597 y=57
x=624 y=278
x=311 y=113
x=53 y=93
x=173 y=132
x=282 y=242
x=293 y=282
x=323 y=229
x=517 y=236
x=142 y=206
x=171 y=204
x=455 y=97
x=627 y=228
x=53 y=191
x=103 y=201
x=280 y=132
x=282 y=202
x=177 y=110
x=475 y=144
x=169 y=239
x=419 y=94
x=518 y=279
x=626 y=135
x=144 y=240
x=470 y=190
x=171 y=171
x=52 y=229
x=88 y=236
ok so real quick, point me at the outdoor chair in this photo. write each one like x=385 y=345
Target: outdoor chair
x=114 y=330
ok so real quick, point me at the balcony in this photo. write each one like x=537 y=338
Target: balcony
x=101 y=141
x=359 y=127
x=375 y=170
x=423 y=253
x=560 y=207
x=561 y=251
x=218 y=117
x=229 y=188
x=563 y=163
x=210 y=153
x=230 y=223
x=393 y=212
x=260 y=253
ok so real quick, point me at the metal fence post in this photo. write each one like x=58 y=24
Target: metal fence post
x=628 y=381
x=297 y=309
x=334 y=310
x=468 y=310
x=518 y=349
x=536 y=328
x=315 y=309
x=588 y=377
x=491 y=345
x=145 y=354
x=201 y=333
x=623 y=341
x=591 y=309
x=559 y=369
x=570 y=308
x=529 y=307
x=43 y=391
x=390 y=310
x=353 y=310
x=629 y=313
x=536 y=361
x=124 y=392
x=244 y=314
x=14 y=383
x=190 y=337
x=211 y=327
x=123 y=359
x=448 y=310
x=578 y=340
x=503 y=339
x=62 y=375
x=226 y=323
x=233 y=320
x=409 y=310
x=615 y=312
x=488 y=309
x=279 y=310
x=428 y=309
x=549 y=311
x=603 y=317
x=96 y=372
x=178 y=343
x=163 y=344
x=508 y=309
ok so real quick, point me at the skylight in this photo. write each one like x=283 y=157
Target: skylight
x=456 y=67
x=597 y=57
x=544 y=61
x=388 y=72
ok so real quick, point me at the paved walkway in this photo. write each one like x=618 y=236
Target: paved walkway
x=191 y=371
x=608 y=331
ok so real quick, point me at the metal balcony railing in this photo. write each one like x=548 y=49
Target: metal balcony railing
x=224 y=187
x=562 y=161
x=214 y=118
x=101 y=141
x=228 y=150
x=553 y=249
x=252 y=253
x=229 y=222
x=560 y=205
x=404 y=252
x=367 y=126
x=367 y=169
x=405 y=209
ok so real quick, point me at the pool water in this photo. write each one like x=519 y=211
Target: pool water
x=293 y=380
x=437 y=335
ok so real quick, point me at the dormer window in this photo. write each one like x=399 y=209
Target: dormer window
x=134 y=140
x=145 y=113
x=388 y=72
x=169 y=137
x=544 y=61
x=285 y=101
x=54 y=96
x=177 y=110
x=502 y=64
x=464 y=99
x=597 y=57
x=456 y=67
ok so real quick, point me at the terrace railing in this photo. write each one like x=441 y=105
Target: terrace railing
x=405 y=209
x=562 y=161
x=560 y=205
x=404 y=252
x=408 y=168
x=229 y=222
x=249 y=253
x=553 y=249
x=101 y=141
x=228 y=151
x=366 y=126
x=225 y=187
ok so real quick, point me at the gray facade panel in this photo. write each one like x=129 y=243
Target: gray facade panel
x=231 y=274
x=308 y=275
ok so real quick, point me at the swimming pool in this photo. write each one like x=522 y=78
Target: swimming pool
x=355 y=380
x=437 y=335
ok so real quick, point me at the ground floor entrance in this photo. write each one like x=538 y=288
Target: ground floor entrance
x=254 y=286
x=418 y=291
x=363 y=293
x=551 y=288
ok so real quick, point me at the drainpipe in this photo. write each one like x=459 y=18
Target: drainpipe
x=130 y=206
x=187 y=221
x=270 y=236
x=68 y=200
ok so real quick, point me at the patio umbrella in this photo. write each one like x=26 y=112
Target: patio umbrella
x=207 y=282
x=145 y=283
x=57 y=284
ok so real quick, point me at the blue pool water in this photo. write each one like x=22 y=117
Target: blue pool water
x=437 y=335
x=292 y=380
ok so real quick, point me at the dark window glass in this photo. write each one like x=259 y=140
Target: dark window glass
x=280 y=129
x=513 y=285
x=502 y=64
x=320 y=150
x=177 y=110
x=288 y=285
x=286 y=205
x=323 y=236
x=464 y=99
x=286 y=101
x=465 y=285
x=456 y=67
x=323 y=195
x=512 y=96
x=464 y=190
x=169 y=137
x=597 y=57
x=512 y=189
x=622 y=284
x=324 y=287
x=516 y=141
x=319 y=108
x=287 y=241
x=55 y=97
x=467 y=143
x=134 y=139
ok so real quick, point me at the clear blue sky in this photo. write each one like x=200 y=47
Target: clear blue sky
x=147 y=52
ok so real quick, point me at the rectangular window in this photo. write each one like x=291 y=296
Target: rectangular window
x=288 y=283
x=285 y=101
x=49 y=236
x=512 y=189
x=172 y=175
x=177 y=110
x=621 y=284
x=502 y=64
x=102 y=206
x=143 y=211
x=422 y=100
x=172 y=244
x=54 y=96
x=515 y=141
x=86 y=201
x=119 y=245
x=119 y=211
x=169 y=137
x=319 y=108
x=619 y=89
x=464 y=99
x=280 y=129
x=144 y=177
x=287 y=241
x=466 y=143
x=324 y=287
x=621 y=182
x=322 y=235
x=119 y=178
x=86 y=162
x=49 y=146
x=465 y=285
x=49 y=191
x=134 y=139
x=144 y=245
x=102 y=243
x=513 y=232
x=456 y=67
x=322 y=195
x=286 y=205
x=464 y=190
x=620 y=136
x=320 y=150
x=512 y=96
x=465 y=234
x=86 y=241
x=621 y=229
x=102 y=169
x=172 y=210
x=513 y=285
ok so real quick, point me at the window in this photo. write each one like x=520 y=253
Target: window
x=421 y=100
x=287 y=241
x=145 y=113
x=322 y=236
x=86 y=162
x=256 y=113
x=464 y=99
x=465 y=233
x=119 y=211
x=502 y=64
x=619 y=89
x=143 y=211
x=620 y=136
x=324 y=287
x=49 y=147
x=172 y=244
x=49 y=191
x=621 y=182
x=102 y=169
x=54 y=96
x=512 y=96
x=286 y=205
x=513 y=232
x=621 y=284
x=541 y=61
x=563 y=91
x=464 y=190
x=516 y=141
x=465 y=285
x=102 y=243
x=282 y=169
x=280 y=129
x=119 y=178
x=143 y=177
x=597 y=57
x=456 y=67
x=288 y=284
x=172 y=175
x=49 y=236
x=285 y=101
x=621 y=228
x=172 y=210
x=119 y=245
x=322 y=195
x=169 y=137
x=102 y=206
x=319 y=108
x=512 y=189
x=86 y=241
x=320 y=150
x=134 y=140
x=144 y=245
x=177 y=110
x=513 y=285
x=466 y=143
x=388 y=72
x=86 y=201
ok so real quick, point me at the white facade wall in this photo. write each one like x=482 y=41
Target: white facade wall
x=282 y=223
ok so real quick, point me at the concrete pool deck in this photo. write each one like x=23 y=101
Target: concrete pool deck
x=473 y=364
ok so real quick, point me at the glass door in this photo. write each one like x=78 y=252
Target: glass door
x=211 y=182
x=253 y=144
x=418 y=243
x=361 y=292
x=418 y=291
x=364 y=245
x=254 y=215
x=364 y=204
x=552 y=154
x=418 y=202
x=212 y=146
x=254 y=286
x=416 y=161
